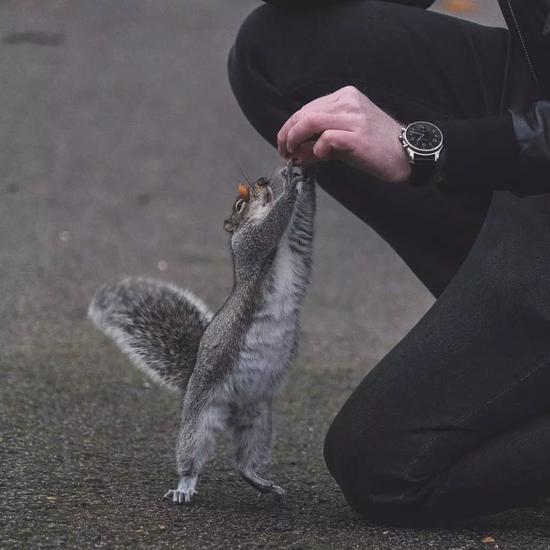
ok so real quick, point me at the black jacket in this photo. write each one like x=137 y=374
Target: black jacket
x=514 y=148
x=529 y=22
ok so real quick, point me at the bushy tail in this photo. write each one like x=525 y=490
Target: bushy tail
x=157 y=324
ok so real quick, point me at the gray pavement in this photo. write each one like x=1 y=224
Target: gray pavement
x=120 y=146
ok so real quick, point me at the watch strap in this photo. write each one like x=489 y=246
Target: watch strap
x=422 y=173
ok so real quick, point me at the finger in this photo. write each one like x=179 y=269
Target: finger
x=283 y=133
x=305 y=156
x=317 y=104
x=312 y=125
x=334 y=144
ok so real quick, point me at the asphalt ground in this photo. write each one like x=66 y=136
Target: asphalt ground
x=120 y=147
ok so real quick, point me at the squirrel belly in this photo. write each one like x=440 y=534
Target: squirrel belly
x=157 y=324
x=272 y=337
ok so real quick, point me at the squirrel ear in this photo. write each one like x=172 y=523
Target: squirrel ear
x=229 y=226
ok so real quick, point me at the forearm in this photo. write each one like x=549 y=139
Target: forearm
x=505 y=152
x=480 y=154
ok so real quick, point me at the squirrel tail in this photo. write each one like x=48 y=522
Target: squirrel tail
x=157 y=324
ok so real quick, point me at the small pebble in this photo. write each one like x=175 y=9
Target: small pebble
x=64 y=236
x=162 y=265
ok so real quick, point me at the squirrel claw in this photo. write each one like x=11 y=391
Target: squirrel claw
x=279 y=492
x=185 y=491
x=275 y=490
x=179 y=497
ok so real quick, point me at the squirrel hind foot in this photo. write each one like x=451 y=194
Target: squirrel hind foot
x=175 y=496
x=185 y=491
x=263 y=486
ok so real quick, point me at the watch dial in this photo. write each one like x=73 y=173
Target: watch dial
x=424 y=136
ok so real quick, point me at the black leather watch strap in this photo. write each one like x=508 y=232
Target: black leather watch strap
x=421 y=174
x=422 y=171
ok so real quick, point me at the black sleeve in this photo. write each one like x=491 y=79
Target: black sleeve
x=532 y=131
x=306 y=4
x=509 y=151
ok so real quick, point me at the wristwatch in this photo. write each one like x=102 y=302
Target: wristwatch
x=423 y=142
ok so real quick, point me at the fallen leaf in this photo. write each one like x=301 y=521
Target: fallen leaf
x=459 y=5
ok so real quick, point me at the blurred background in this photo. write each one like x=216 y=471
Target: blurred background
x=121 y=147
x=120 y=150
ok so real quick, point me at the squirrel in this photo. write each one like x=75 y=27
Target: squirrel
x=228 y=365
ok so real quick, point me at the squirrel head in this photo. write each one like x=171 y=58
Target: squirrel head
x=254 y=222
x=253 y=203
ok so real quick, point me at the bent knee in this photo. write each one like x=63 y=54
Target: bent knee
x=256 y=72
x=254 y=40
x=277 y=43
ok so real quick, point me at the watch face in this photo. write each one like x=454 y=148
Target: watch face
x=424 y=136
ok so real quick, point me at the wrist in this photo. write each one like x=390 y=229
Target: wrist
x=402 y=165
x=404 y=169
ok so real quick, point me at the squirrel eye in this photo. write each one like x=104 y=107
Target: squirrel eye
x=239 y=205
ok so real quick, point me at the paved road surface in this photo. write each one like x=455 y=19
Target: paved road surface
x=120 y=145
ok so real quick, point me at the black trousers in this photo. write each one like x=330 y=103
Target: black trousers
x=455 y=420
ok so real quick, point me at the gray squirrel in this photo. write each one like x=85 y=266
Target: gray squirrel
x=228 y=365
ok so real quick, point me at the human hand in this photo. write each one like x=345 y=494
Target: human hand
x=350 y=128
